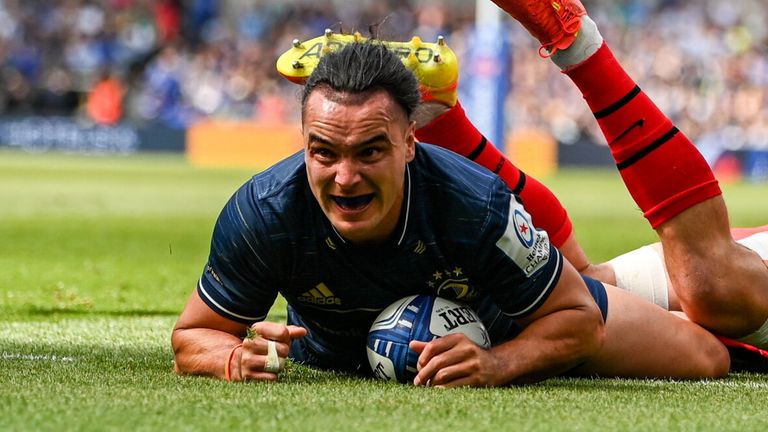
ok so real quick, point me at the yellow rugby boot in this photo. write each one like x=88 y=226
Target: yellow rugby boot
x=434 y=64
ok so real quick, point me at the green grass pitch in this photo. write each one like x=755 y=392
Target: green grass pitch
x=98 y=256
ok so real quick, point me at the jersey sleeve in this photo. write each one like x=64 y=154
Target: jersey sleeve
x=523 y=266
x=238 y=281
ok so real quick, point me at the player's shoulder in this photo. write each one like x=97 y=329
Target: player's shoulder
x=272 y=199
x=453 y=174
x=286 y=176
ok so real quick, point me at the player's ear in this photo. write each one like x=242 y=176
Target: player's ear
x=410 y=141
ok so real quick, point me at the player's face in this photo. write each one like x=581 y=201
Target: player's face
x=356 y=150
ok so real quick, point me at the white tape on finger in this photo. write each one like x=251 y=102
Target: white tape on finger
x=273 y=365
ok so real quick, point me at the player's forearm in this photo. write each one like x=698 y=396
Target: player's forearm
x=201 y=351
x=573 y=252
x=551 y=345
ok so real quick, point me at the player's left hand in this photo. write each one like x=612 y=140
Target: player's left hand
x=255 y=361
x=455 y=361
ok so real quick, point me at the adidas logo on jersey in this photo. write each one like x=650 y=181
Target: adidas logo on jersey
x=320 y=295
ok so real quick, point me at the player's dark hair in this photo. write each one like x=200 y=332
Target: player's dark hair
x=362 y=67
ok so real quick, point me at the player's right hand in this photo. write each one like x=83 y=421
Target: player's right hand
x=254 y=361
x=455 y=361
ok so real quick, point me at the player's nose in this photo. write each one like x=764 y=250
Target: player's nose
x=347 y=173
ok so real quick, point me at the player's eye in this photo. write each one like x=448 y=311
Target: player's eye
x=322 y=153
x=370 y=153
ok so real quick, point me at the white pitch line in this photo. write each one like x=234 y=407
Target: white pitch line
x=35 y=357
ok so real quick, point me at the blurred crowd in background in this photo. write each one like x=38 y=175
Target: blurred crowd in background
x=176 y=62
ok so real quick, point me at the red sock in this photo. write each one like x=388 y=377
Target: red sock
x=455 y=132
x=662 y=169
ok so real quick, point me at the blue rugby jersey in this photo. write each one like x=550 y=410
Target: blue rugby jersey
x=461 y=235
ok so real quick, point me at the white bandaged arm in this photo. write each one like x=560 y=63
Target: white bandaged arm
x=642 y=272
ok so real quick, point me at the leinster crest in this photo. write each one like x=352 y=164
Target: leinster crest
x=452 y=284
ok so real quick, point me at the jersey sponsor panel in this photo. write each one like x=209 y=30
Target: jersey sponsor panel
x=525 y=245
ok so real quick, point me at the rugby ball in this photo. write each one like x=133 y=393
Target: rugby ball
x=417 y=317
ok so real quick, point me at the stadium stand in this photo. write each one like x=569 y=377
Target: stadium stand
x=180 y=62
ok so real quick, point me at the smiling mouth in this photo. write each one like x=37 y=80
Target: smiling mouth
x=355 y=203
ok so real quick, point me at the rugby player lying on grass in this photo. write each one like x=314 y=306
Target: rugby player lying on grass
x=366 y=216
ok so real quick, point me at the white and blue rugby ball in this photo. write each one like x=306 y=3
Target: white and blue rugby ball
x=417 y=317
